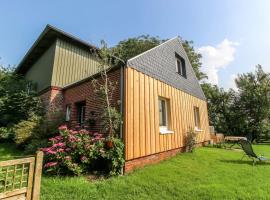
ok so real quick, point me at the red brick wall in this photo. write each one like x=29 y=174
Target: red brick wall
x=52 y=100
x=130 y=165
x=84 y=92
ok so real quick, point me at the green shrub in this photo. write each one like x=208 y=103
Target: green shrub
x=6 y=134
x=190 y=141
x=43 y=130
x=24 y=130
x=35 y=144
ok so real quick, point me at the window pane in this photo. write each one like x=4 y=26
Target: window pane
x=197 y=117
x=179 y=67
x=183 y=68
x=68 y=111
x=81 y=113
x=162 y=113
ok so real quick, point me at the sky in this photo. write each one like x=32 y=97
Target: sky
x=232 y=35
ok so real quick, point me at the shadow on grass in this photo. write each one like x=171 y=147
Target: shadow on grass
x=249 y=162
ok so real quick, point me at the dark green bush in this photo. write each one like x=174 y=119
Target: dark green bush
x=6 y=134
x=190 y=141
x=35 y=144
x=24 y=130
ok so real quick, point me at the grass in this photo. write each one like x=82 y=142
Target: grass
x=209 y=173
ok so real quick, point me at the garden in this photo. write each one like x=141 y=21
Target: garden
x=207 y=173
x=68 y=151
x=82 y=164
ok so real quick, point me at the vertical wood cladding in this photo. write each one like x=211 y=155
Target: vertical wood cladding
x=41 y=71
x=72 y=64
x=142 y=135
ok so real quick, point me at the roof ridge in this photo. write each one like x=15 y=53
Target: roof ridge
x=70 y=35
x=176 y=37
x=45 y=31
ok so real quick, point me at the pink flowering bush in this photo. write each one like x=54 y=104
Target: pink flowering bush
x=77 y=152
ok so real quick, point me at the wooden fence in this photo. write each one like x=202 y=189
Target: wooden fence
x=20 y=178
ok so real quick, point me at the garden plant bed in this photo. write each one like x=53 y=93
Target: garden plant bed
x=208 y=173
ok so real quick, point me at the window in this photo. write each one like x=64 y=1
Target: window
x=68 y=111
x=180 y=65
x=197 y=118
x=81 y=113
x=164 y=117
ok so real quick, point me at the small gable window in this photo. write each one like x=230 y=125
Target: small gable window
x=180 y=65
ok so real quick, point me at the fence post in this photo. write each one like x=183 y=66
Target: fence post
x=37 y=176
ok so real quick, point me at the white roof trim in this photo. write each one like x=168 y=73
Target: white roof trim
x=153 y=48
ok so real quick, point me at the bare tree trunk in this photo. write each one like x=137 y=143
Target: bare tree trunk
x=108 y=103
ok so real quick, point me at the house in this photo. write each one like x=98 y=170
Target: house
x=158 y=93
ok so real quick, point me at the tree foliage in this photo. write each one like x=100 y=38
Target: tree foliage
x=131 y=47
x=254 y=101
x=17 y=99
x=195 y=59
x=245 y=111
x=110 y=116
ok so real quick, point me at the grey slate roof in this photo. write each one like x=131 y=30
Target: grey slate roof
x=160 y=63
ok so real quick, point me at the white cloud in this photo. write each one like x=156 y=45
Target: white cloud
x=231 y=83
x=217 y=57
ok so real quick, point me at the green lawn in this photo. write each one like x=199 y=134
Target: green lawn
x=209 y=173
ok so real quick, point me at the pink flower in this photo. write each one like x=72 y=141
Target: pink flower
x=62 y=128
x=58 y=138
x=83 y=158
x=51 y=152
x=67 y=158
x=60 y=150
x=83 y=131
x=68 y=149
x=60 y=144
x=48 y=150
x=72 y=138
x=74 y=132
x=53 y=140
x=50 y=164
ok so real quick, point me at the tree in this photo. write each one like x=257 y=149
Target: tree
x=245 y=111
x=17 y=99
x=219 y=107
x=110 y=116
x=131 y=47
x=195 y=59
x=254 y=101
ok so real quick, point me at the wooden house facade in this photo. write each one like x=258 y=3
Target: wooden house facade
x=158 y=93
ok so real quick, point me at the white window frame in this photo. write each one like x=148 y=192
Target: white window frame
x=68 y=112
x=165 y=129
x=197 y=118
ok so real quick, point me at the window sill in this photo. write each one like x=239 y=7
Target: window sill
x=198 y=130
x=165 y=131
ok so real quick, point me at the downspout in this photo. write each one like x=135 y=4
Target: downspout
x=122 y=97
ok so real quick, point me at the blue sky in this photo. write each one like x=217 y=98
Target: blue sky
x=232 y=35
